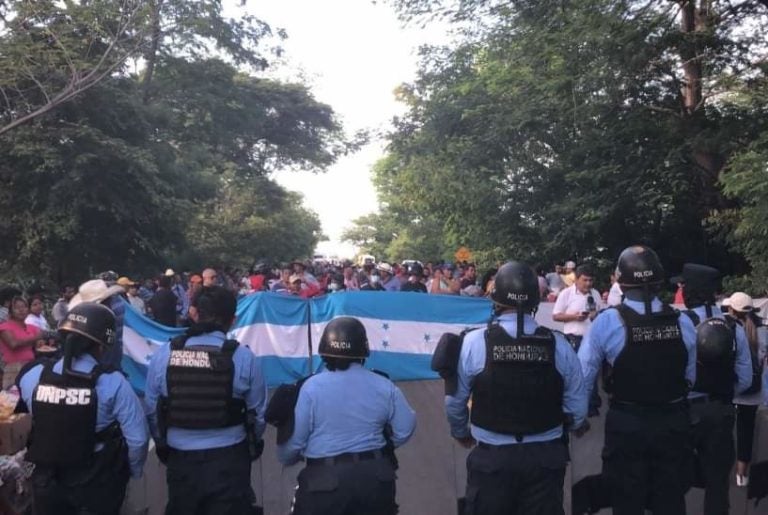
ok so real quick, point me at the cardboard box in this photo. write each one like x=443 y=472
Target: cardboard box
x=14 y=432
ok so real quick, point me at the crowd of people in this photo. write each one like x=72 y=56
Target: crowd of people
x=679 y=380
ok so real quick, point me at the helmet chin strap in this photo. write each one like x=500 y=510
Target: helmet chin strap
x=647 y=299
x=497 y=309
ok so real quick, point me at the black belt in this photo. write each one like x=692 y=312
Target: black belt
x=347 y=457
x=490 y=446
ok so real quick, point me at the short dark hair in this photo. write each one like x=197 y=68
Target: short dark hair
x=164 y=281
x=8 y=293
x=215 y=304
x=585 y=270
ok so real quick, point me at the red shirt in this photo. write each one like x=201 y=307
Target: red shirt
x=20 y=331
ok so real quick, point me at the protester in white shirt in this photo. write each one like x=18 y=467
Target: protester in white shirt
x=36 y=316
x=577 y=306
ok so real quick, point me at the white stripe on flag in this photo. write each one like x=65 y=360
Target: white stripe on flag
x=285 y=341
x=399 y=336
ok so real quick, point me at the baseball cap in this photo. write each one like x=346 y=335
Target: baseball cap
x=295 y=277
x=124 y=281
x=740 y=302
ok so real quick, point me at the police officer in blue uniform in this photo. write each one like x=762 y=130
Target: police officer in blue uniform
x=346 y=421
x=205 y=399
x=523 y=380
x=652 y=350
x=723 y=369
x=89 y=433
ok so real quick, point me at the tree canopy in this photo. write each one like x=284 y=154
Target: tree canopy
x=169 y=162
x=550 y=130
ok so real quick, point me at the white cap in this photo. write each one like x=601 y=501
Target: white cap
x=170 y=272
x=740 y=302
x=385 y=267
x=570 y=264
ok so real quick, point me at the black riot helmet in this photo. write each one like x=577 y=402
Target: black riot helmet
x=93 y=321
x=639 y=266
x=344 y=338
x=86 y=326
x=714 y=341
x=640 y=274
x=516 y=286
x=701 y=284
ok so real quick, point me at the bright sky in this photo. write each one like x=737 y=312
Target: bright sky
x=353 y=54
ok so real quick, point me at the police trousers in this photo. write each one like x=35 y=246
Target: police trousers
x=95 y=490
x=524 y=479
x=209 y=481
x=346 y=487
x=647 y=458
x=715 y=453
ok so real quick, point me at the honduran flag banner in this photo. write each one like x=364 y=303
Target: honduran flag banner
x=284 y=331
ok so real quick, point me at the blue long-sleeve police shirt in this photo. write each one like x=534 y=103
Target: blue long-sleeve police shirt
x=607 y=337
x=472 y=363
x=247 y=383
x=346 y=411
x=743 y=364
x=116 y=402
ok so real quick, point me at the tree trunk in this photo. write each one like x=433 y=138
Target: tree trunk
x=690 y=20
x=151 y=55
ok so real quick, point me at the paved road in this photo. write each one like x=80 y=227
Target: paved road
x=432 y=467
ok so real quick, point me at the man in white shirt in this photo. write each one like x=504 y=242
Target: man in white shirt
x=576 y=306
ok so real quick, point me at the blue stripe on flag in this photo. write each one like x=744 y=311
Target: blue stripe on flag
x=271 y=308
x=279 y=370
x=137 y=374
x=402 y=366
x=147 y=327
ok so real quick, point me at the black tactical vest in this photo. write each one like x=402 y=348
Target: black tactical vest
x=715 y=360
x=199 y=382
x=650 y=369
x=64 y=410
x=519 y=392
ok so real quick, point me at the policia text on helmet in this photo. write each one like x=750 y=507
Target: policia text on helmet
x=88 y=432
x=88 y=328
x=344 y=342
x=515 y=288
x=640 y=274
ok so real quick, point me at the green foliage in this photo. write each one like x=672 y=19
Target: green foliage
x=555 y=130
x=255 y=219
x=170 y=166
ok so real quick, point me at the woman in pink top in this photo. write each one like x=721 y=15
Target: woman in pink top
x=17 y=340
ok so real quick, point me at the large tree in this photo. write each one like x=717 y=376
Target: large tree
x=138 y=170
x=576 y=128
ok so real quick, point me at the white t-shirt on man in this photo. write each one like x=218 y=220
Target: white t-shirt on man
x=572 y=302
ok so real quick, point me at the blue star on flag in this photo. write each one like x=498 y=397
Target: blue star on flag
x=427 y=337
x=385 y=326
x=385 y=343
